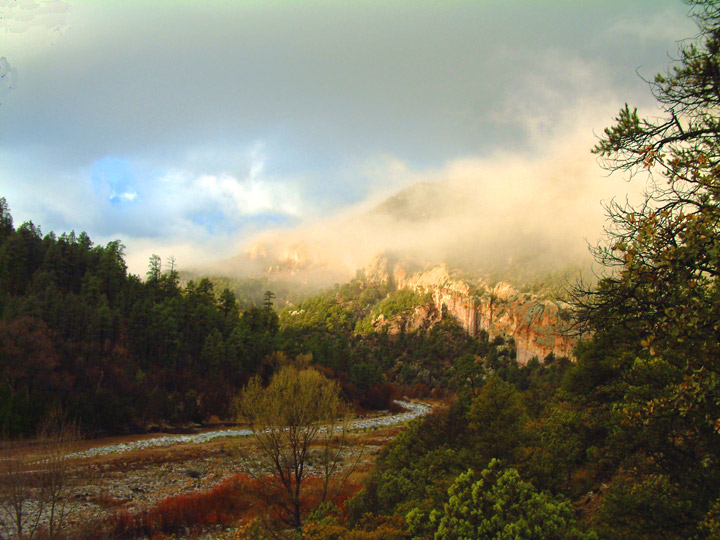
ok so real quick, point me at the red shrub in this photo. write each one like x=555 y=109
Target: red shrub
x=438 y=393
x=222 y=505
x=420 y=390
x=235 y=499
x=381 y=396
x=124 y=522
x=107 y=501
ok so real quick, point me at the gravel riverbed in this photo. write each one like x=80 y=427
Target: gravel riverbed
x=412 y=410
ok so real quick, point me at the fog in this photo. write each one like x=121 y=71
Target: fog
x=306 y=118
x=528 y=219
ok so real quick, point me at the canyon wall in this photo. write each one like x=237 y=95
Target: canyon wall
x=538 y=326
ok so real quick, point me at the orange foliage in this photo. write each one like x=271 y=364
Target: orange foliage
x=271 y=499
x=372 y=528
x=439 y=393
x=221 y=505
x=237 y=499
x=225 y=504
x=313 y=493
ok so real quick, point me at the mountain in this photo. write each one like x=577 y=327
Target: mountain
x=469 y=226
x=538 y=326
x=423 y=201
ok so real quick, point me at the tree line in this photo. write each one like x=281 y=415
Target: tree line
x=120 y=353
x=630 y=432
x=78 y=332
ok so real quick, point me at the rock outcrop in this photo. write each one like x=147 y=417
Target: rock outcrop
x=538 y=326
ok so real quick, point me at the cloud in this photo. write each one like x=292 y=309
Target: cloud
x=517 y=215
x=8 y=77
x=654 y=27
x=187 y=124
x=234 y=198
x=331 y=81
x=194 y=217
x=20 y=16
x=143 y=203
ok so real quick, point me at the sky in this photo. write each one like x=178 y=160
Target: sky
x=191 y=129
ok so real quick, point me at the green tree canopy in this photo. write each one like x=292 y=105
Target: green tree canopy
x=498 y=505
x=298 y=409
x=659 y=300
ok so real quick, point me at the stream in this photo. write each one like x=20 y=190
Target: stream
x=412 y=410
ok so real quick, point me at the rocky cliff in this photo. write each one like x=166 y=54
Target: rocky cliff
x=538 y=326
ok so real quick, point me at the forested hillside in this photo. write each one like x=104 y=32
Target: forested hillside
x=123 y=353
x=115 y=351
x=631 y=432
x=623 y=443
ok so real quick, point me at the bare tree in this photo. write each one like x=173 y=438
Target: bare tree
x=298 y=416
x=36 y=481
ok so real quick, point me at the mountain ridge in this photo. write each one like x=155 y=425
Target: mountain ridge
x=538 y=326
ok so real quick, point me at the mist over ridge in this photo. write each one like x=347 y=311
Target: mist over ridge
x=503 y=218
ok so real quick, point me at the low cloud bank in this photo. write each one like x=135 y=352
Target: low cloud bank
x=520 y=218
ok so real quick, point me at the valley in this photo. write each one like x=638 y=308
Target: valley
x=360 y=271
x=132 y=475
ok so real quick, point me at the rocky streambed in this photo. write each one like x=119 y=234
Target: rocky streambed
x=412 y=410
x=136 y=474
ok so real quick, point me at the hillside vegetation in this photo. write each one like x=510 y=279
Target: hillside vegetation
x=125 y=354
x=622 y=444
x=79 y=333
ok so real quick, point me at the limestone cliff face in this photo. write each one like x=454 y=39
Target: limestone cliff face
x=539 y=327
x=290 y=259
x=421 y=317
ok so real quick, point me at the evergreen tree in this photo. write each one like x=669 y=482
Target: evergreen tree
x=661 y=290
x=498 y=505
x=6 y=221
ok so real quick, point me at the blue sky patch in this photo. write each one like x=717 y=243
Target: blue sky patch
x=116 y=180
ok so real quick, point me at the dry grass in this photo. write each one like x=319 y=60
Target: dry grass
x=188 y=487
